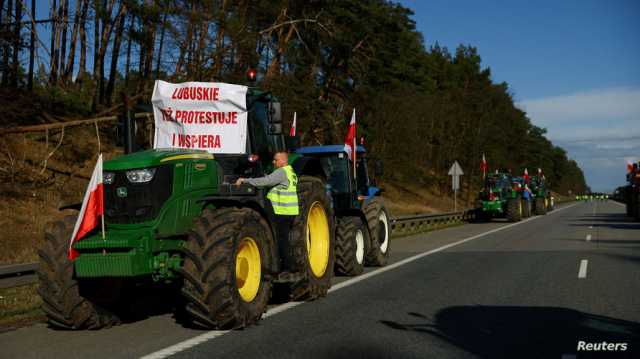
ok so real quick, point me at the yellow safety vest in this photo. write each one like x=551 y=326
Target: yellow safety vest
x=285 y=199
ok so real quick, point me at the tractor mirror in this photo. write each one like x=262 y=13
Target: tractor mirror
x=275 y=129
x=275 y=113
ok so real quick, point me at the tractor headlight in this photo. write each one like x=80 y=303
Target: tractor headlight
x=108 y=177
x=141 y=175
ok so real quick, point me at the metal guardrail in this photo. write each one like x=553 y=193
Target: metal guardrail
x=18 y=275
x=23 y=274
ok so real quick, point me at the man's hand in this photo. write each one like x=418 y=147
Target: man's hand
x=239 y=181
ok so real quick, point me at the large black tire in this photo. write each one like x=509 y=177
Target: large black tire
x=379 y=231
x=526 y=208
x=540 y=207
x=514 y=209
x=65 y=303
x=311 y=241
x=352 y=243
x=214 y=262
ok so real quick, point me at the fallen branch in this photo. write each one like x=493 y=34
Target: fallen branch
x=39 y=128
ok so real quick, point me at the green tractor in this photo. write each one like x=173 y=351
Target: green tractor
x=175 y=220
x=543 y=201
x=500 y=198
x=363 y=226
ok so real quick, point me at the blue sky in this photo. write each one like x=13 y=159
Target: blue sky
x=573 y=66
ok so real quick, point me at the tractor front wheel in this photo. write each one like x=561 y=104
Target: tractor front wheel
x=380 y=232
x=227 y=256
x=67 y=303
x=352 y=242
x=541 y=206
x=514 y=209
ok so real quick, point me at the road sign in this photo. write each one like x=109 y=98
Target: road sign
x=455 y=172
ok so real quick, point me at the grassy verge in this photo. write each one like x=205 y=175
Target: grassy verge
x=19 y=306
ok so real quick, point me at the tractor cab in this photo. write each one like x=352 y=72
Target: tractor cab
x=347 y=190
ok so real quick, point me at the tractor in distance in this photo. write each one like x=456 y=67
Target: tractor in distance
x=362 y=222
x=543 y=201
x=175 y=220
x=521 y=187
x=500 y=198
x=631 y=192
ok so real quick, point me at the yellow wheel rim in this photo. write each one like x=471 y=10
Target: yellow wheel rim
x=318 y=239
x=520 y=209
x=248 y=269
x=546 y=203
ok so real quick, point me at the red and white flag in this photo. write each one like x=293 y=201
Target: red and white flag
x=483 y=165
x=292 y=130
x=526 y=176
x=92 y=209
x=350 y=138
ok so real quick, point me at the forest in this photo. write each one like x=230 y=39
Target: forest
x=418 y=107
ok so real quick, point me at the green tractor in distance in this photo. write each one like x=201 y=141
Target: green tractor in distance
x=363 y=228
x=543 y=201
x=175 y=220
x=500 y=199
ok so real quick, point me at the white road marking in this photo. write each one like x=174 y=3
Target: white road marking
x=588 y=237
x=590 y=227
x=582 y=272
x=189 y=343
x=618 y=203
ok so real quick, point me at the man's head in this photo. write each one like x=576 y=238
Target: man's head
x=280 y=159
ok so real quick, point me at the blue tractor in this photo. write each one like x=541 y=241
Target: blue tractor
x=363 y=226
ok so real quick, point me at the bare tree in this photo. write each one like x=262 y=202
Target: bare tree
x=65 y=25
x=115 y=52
x=17 y=43
x=32 y=46
x=82 y=66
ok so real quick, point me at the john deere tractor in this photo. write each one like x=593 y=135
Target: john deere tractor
x=500 y=198
x=632 y=192
x=543 y=201
x=363 y=229
x=174 y=219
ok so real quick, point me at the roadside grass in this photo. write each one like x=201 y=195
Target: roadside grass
x=20 y=306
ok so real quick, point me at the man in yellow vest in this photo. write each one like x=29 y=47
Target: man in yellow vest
x=283 y=197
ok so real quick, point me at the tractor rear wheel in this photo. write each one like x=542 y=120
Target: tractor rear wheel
x=227 y=256
x=352 y=242
x=311 y=241
x=66 y=302
x=514 y=209
x=541 y=208
x=379 y=231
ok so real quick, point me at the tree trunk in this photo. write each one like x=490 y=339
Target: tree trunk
x=96 y=37
x=53 y=72
x=158 y=60
x=15 y=64
x=32 y=45
x=128 y=61
x=72 y=46
x=65 y=27
x=5 y=49
x=149 y=44
x=220 y=32
x=107 y=26
x=82 y=66
x=185 y=46
x=115 y=54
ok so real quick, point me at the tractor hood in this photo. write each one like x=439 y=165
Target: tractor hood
x=152 y=158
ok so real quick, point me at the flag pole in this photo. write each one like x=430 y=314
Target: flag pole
x=354 y=157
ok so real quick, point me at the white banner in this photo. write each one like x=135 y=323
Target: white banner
x=200 y=115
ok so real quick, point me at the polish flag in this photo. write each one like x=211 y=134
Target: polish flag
x=483 y=165
x=292 y=130
x=350 y=138
x=526 y=176
x=92 y=208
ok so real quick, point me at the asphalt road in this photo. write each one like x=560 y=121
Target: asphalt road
x=539 y=288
